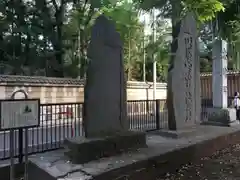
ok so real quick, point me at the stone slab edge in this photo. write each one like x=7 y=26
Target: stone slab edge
x=159 y=165
x=174 y=134
x=169 y=162
x=214 y=123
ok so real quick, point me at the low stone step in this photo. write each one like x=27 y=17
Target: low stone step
x=82 y=150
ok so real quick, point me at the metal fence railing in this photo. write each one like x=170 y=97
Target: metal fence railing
x=143 y=115
x=61 y=121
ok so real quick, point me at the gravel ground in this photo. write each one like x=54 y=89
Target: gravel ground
x=224 y=165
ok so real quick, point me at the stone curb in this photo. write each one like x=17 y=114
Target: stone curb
x=169 y=162
x=166 y=163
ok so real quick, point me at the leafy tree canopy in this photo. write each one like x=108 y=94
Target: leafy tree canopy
x=204 y=9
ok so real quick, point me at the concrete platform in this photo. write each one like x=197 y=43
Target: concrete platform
x=182 y=133
x=82 y=150
x=162 y=155
x=221 y=117
x=214 y=123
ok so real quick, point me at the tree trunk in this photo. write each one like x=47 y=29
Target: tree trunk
x=83 y=58
x=176 y=24
x=28 y=61
x=59 y=46
x=57 y=40
x=2 y=58
x=58 y=71
x=84 y=42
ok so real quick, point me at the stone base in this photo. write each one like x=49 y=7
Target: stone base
x=221 y=117
x=181 y=133
x=214 y=123
x=82 y=150
x=163 y=155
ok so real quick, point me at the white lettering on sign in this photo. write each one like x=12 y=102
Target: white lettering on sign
x=19 y=113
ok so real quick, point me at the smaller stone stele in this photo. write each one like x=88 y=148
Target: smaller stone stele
x=105 y=121
x=82 y=150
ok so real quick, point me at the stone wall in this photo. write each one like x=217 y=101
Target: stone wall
x=62 y=90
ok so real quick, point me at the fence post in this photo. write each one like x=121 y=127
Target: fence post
x=157 y=113
x=20 y=146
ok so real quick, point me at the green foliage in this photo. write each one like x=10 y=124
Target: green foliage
x=229 y=28
x=50 y=38
x=205 y=10
x=131 y=32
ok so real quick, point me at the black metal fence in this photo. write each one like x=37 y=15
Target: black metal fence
x=61 y=121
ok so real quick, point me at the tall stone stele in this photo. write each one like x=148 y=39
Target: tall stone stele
x=105 y=106
x=105 y=103
x=185 y=79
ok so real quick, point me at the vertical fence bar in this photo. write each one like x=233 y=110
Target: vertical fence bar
x=4 y=144
x=11 y=143
x=42 y=124
x=157 y=114
x=49 y=128
x=20 y=146
x=37 y=130
x=26 y=155
x=55 y=128
x=60 y=125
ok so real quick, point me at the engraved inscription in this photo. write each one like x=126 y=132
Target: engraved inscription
x=188 y=66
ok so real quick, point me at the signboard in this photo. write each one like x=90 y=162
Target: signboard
x=19 y=113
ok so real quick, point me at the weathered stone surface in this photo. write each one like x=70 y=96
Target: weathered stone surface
x=105 y=88
x=105 y=105
x=180 y=133
x=82 y=150
x=186 y=76
x=219 y=73
x=55 y=166
x=221 y=116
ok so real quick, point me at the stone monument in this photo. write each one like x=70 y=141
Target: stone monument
x=186 y=80
x=105 y=106
x=220 y=114
x=105 y=88
x=186 y=75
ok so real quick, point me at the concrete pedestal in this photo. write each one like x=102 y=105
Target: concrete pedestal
x=180 y=133
x=221 y=117
x=162 y=155
x=82 y=150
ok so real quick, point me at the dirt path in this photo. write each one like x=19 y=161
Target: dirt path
x=224 y=165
